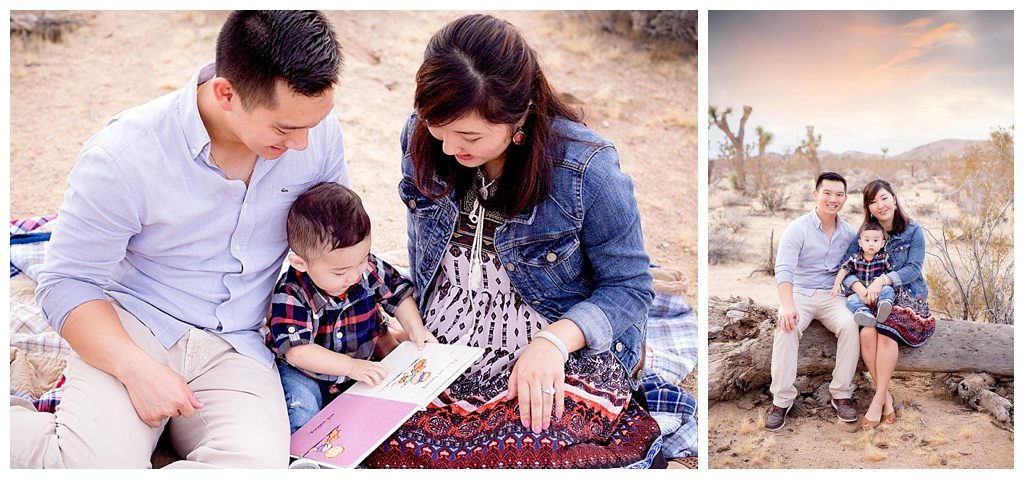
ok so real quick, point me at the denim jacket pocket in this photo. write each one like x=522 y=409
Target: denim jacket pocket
x=898 y=255
x=556 y=264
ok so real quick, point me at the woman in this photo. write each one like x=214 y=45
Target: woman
x=909 y=323
x=524 y=240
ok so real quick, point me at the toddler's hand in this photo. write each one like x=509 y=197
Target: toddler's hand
x=368 y=372
x=421 y=336
x=835 y=290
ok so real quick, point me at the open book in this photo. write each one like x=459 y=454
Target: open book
x=361 y=418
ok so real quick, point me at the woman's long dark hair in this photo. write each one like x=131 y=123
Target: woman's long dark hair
x=900 y=220
x=481 y=64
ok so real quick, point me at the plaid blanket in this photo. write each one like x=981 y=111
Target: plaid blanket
x=671 y=355
x=27 y=245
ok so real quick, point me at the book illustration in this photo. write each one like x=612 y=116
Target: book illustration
x=330 y=447
x=415 y=375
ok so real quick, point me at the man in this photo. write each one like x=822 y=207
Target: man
x=810 y=252
x=171 y=236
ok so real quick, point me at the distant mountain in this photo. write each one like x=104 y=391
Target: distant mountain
x=938 y=149
x=934 y=150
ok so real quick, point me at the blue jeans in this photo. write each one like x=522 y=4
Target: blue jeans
x=303 y=395
x=855 y=304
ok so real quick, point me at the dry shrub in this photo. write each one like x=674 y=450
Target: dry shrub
x=732 y=198
x=674 y=24
x=724 y=246
x=47 y=26
x=770 y=190
x=735 y=221
x=971 y=273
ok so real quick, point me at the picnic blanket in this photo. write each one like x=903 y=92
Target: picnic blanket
x=671 y=355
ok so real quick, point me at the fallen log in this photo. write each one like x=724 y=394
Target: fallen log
x=740 y=336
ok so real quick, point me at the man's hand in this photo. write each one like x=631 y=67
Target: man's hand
x=789 y=317
x=158 y=393
x=368 y=372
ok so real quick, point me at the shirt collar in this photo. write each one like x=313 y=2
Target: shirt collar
x=192 y=125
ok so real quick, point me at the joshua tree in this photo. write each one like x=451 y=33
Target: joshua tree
x=764 y=137
x=885 y=150
x=808 y=149
x=738 y=149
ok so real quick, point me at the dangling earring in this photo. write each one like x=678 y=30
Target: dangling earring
x=518 y=138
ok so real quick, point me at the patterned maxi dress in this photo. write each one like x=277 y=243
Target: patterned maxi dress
x=471 y=424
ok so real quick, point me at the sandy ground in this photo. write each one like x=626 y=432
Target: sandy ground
x=640 y=96
x=933 y=431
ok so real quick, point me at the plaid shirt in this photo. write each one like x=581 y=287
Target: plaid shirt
x=866 y=271
x=301 y=313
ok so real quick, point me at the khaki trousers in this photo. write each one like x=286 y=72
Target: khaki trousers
x=243 y=422
x=834 y=315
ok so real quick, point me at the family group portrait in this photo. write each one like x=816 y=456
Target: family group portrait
x=472 y=233
x=860 y=247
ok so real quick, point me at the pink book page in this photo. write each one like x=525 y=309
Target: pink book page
x=349 y=428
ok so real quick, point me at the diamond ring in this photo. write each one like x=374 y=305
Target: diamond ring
x=550 y=391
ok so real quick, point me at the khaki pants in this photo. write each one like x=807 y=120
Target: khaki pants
x=243 y=422
x=834 y=315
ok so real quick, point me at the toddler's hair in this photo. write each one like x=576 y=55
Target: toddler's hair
x=326 y=217
x=874 y=226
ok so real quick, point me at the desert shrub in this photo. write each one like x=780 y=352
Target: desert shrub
x=45 y=25
x=769 y=190
x=733 y=220
x=724 y=246
x=971 y=275
x=732 y=198
x=674 y=24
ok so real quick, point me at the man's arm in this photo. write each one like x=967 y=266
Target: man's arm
x=97 y=219
x=785 y=264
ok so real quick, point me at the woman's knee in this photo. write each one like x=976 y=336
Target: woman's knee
x=868 y=336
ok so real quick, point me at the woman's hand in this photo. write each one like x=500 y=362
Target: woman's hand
x=419 y=335
x=539 y=367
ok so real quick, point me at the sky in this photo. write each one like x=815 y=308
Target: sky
x=865 y=80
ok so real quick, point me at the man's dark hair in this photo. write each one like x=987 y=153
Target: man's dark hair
x=326 y=217
x=830 y=176
x=256 y=48
x=874 y=226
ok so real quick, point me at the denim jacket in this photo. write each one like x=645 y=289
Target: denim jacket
x=906 y=255
x=578 y=255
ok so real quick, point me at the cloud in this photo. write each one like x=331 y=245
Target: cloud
x=918 y=45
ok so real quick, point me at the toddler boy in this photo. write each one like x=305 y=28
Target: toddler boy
x=867 y=264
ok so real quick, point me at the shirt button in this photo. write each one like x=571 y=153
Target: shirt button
x=291 y=329
x=510 y=267
x=245 y=205
x=238 y=247
x=618 y=347
x=412 y=204
x=551 y=257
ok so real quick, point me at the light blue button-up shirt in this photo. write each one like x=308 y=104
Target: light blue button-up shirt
x=150 y=220
x=807 y=257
